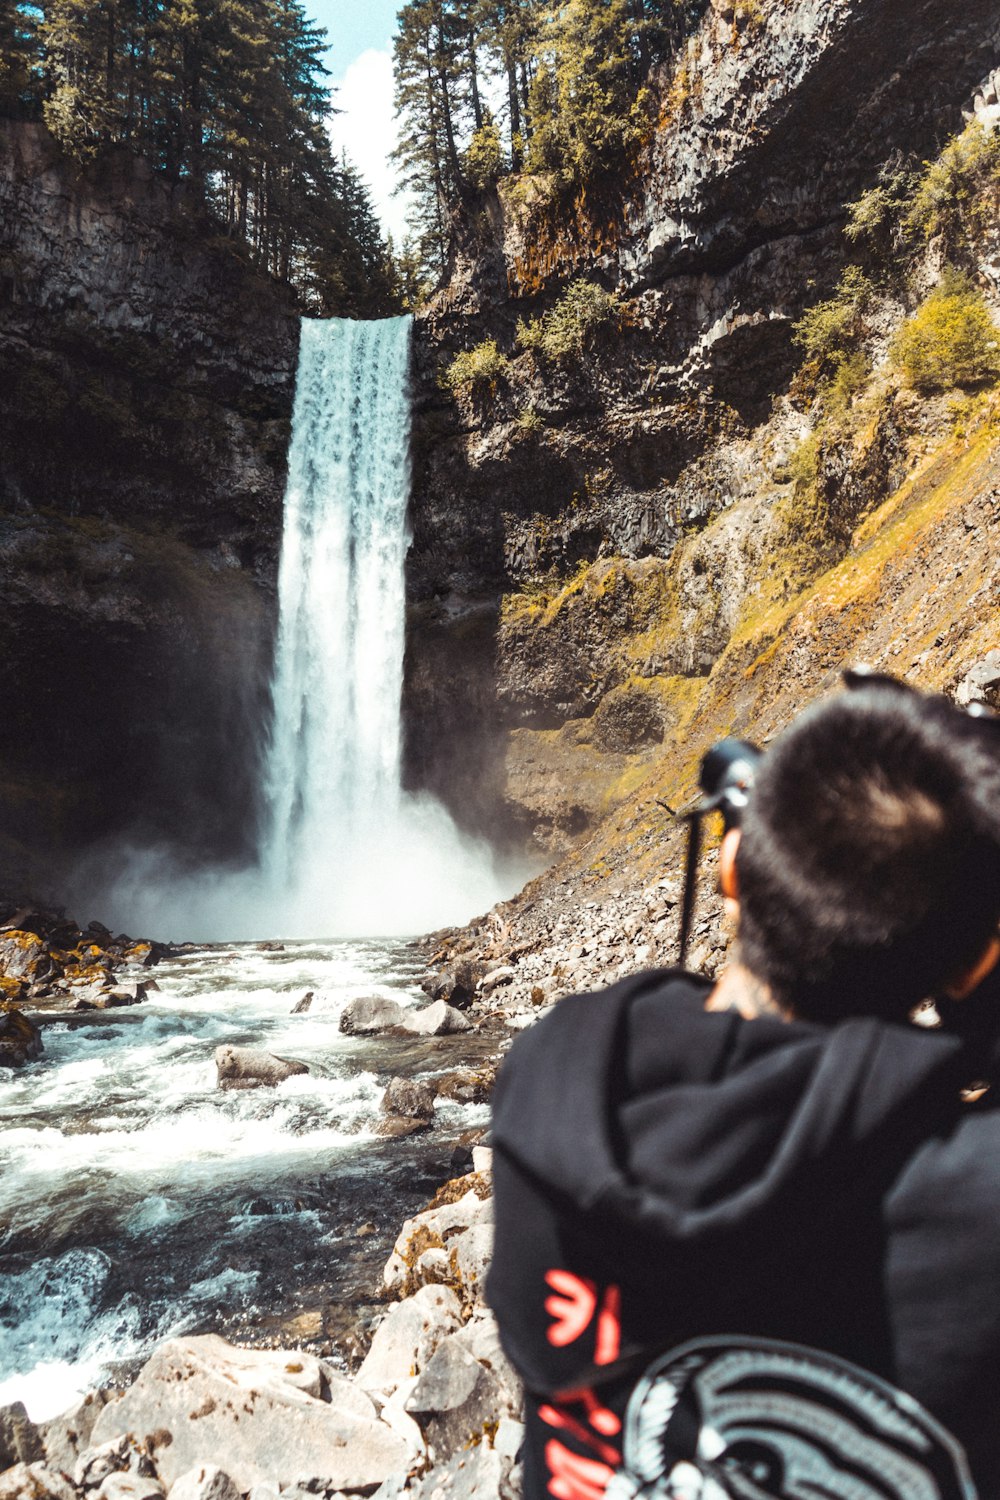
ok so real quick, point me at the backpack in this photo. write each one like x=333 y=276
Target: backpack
x=755 y=1419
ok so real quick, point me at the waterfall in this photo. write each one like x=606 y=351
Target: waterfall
x=344 y=851
x=333 y=774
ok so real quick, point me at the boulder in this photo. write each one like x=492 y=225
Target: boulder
x=35 y=1482
x=131 y=1487
x=367 y=1015
x=301 y=1006
x=407 y=1096
x=69 y=1435
x=480 y=1473
x=468 y=1085
x=20 y=1038
x=252 y=1068
x=439 y=1228
x=437 y=1019
x=497 y=978
x=20 y=1439
x=454 y=1398
x=126 y=993
x=23 y=955
x=407 y=1337
x=199 y=1400
x=106 y=1456
x=204 y=1482
x=400 y=1127
x=982 y=683
x=471 y=1254
x=456 y=984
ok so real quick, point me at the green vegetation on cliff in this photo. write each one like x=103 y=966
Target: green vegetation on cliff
x=228 y=97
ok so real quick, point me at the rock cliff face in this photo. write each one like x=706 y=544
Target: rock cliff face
x=778 y=114
x=146 y=380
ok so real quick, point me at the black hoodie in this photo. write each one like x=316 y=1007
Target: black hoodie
x=665 y=1174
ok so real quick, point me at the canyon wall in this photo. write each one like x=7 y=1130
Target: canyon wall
x=146 y=381
x=560 y=582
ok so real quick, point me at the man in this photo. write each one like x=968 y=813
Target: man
x=762 y=1210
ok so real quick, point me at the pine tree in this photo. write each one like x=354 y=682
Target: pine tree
x=432 y=102
x=20 y=59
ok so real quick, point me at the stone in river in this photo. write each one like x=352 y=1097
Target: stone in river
x=300 y=1008
x=20 y=1039
x=252 y=1068
x=407 y=1096
x=369 y=1014
x=436 y=1019
x=200 y=1401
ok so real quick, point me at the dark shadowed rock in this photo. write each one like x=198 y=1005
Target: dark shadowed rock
x=407 y=1096
x=20 y=1038
x=20 y=1439
x=456 y=984
x=301 y=1006
x=250 y=1068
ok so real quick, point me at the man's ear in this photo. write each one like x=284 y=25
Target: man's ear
x=972 y=977
x=728 y=881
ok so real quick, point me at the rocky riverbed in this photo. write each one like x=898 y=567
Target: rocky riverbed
x=389 y=1377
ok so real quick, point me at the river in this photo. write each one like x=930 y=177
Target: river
x=138 y=1201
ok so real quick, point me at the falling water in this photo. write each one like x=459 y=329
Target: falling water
x=346 y=850
x=333 y=778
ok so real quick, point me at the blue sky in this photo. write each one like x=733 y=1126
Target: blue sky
x=360 y=61
x=354 y=27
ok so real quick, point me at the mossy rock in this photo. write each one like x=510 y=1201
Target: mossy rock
x=629 y=718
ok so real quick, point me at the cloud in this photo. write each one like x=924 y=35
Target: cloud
x=365 y=128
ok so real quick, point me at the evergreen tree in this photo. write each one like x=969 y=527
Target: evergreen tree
x=432 y=100
x=228 y=97
x=20 y=57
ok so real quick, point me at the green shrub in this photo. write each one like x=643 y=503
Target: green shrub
x=850 y=376
x=953 y=186
x=564 y=332
x=529 y=420
x=951 y=340
x=833 y=328
x=480 y=368
x=878 y=214
x=484 y=158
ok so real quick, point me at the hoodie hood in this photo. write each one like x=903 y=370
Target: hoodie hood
x=633 y=1128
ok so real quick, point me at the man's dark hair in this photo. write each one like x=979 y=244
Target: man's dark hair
x=869 y=867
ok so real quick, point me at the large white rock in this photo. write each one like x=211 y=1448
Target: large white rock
x=437 y=1019
x=366 y=1015
x=200 y=1400
x=434 y=1229
x=407 y=1337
